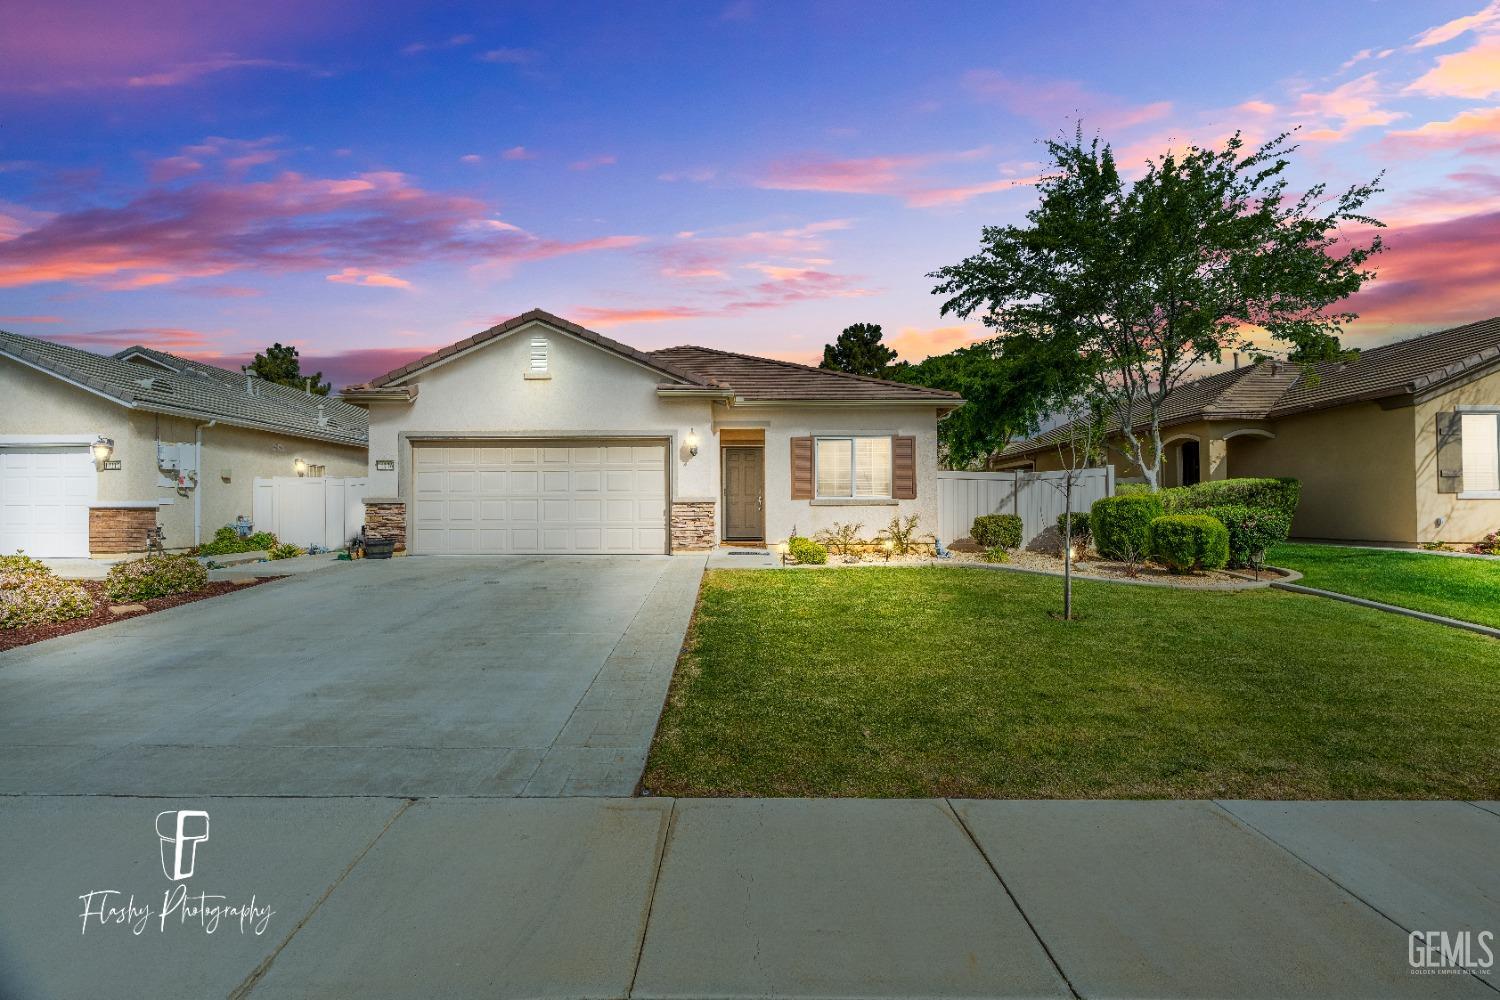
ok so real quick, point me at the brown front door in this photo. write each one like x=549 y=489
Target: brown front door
x=744 y=494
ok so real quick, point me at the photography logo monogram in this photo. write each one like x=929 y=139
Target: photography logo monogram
x=179 y=833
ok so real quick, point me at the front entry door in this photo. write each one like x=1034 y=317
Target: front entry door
x=744 y=494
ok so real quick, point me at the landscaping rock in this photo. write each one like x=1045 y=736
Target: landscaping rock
x=126 y=609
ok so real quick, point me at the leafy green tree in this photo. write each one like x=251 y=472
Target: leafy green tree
x=858 y=351
x=1007 y=387
x=281 y=365
x=1146 y=280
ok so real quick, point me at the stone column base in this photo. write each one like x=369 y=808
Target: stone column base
x=113 y=530
x=693 y=526
x=386 y=520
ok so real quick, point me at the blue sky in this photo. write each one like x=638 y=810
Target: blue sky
x=370 y=180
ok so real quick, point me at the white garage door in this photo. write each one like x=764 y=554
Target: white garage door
x=44 y=500
x=574 y=496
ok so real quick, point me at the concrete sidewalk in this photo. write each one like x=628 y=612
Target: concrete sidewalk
x=743 y=897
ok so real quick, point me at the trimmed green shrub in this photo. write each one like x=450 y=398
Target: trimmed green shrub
x=1252 y=531
x=996 y=555
x=154 y=576
x=1081 y=530
x=806 y=551
x=997 y=531
x=1189 y=541
x=1276 y=494
x=227 y=541
x=1121 y=525
x=285 y=550
x=42 y=599
x=1131 y=489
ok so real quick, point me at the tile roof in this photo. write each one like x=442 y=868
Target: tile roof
x=754 y=378
x=180 y=386
x=695 y=369
x=1270 y=390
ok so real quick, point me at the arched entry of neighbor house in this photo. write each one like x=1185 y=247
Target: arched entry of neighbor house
x=1189 y=465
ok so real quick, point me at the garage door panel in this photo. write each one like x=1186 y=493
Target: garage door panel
x=45 y=495
x=581 y=498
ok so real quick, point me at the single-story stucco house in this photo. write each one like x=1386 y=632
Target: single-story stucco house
x=540 y=436
x=1399 y=444
x=95 y=450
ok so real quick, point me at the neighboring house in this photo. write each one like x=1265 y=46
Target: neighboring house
x=179 y=444
x=1399 y=444
x=541 y=436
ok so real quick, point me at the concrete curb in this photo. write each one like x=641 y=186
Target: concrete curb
x=1493 y=633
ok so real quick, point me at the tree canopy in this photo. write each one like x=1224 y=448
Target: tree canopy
x=1144 y=281
x=281 y=364
x=858 y=351
x=1007 y=387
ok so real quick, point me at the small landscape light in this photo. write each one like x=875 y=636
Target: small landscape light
x=781 y=550
x=102 y=448
x=889 y=546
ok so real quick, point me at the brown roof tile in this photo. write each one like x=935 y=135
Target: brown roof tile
x=754 y=378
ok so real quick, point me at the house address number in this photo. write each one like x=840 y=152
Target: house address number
x=385 y=465
x=111 y=465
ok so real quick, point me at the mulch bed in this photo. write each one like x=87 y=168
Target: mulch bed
x=12 y=638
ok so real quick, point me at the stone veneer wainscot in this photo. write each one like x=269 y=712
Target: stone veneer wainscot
x=693 y=528
x=386 y=519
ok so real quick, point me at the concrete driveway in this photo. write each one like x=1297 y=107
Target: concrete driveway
x=409 y=677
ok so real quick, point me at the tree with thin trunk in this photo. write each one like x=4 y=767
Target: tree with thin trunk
x=1081 y=449
x=858 y=351
x=1147 y=280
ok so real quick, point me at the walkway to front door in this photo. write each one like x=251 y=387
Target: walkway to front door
x=744 y=495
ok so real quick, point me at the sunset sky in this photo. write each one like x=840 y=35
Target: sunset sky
x=370 y=180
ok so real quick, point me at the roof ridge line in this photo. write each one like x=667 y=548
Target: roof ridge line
x=810 y=368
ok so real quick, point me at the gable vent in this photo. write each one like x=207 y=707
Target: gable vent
x=537 y=366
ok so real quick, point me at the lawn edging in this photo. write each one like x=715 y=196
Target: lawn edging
x=1395 y=609
x=1290 y=576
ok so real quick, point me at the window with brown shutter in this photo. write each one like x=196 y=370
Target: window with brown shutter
x=802 y=468
x=904 y=468
x=1450 y=453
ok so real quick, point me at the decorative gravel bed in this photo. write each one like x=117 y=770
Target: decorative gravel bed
x=13 y=638
x=1105 y=569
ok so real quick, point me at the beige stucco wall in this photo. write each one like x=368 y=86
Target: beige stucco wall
x=40 y=404
x=1356 y=483
x=1464 y=519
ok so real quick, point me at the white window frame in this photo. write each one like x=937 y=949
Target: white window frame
x=818 y=440
x=1466 y=493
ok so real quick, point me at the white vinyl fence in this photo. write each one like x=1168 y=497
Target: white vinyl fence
x=1036 y=496
x=310 y=510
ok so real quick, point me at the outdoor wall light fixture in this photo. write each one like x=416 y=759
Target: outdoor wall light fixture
x=692 y=442
x=103 y=448
x=300 y=466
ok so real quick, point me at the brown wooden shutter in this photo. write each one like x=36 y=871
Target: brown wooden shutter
x=1450 y=453
x=802 y=468
x=904 y=468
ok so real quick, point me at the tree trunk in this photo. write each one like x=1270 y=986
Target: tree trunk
x=1068 y=547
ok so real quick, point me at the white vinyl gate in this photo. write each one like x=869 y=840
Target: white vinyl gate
x=310 y=510
x=1036 y=496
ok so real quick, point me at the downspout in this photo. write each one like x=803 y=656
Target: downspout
x=198 y=482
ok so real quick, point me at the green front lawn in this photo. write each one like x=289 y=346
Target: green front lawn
x=923 y=681
x=1442 y=585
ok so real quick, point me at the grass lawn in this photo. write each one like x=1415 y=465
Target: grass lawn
x=1441 y=585
x=939 y=681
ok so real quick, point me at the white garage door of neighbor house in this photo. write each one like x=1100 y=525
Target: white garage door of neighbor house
x=44 y=500
x=540 y=497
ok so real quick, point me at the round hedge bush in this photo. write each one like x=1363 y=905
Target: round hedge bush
x=1252 y=531
x=997 y=531
x=154 y=576
x=1187 y=542
x=1081 y=529
x=806 y=551
x=41 y=599
x=1121 y=525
